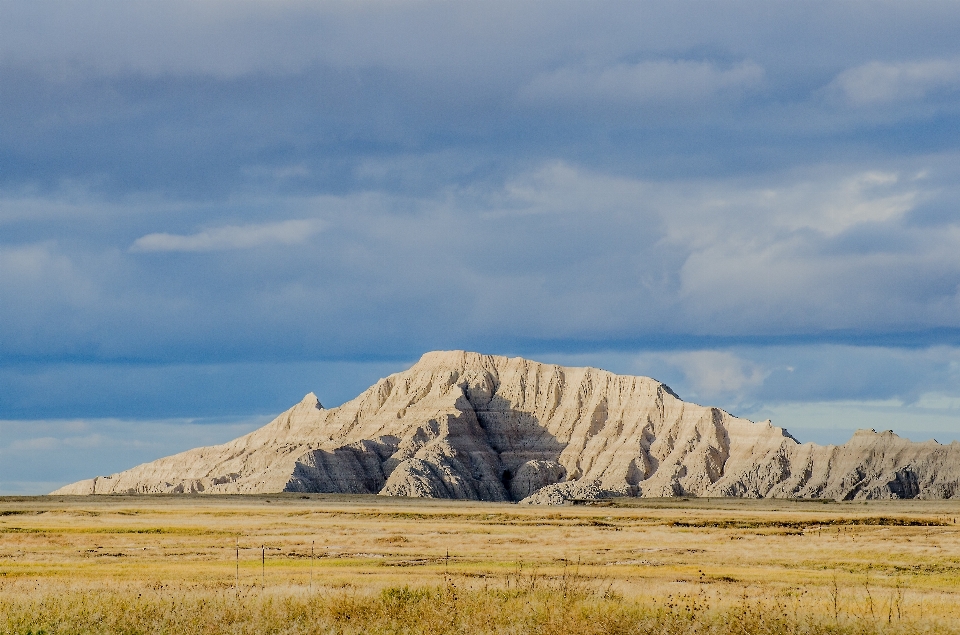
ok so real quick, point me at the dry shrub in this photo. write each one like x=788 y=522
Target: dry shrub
x=379 y=569
x=531 y=605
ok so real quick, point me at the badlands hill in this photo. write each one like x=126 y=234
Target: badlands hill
x=470 y=426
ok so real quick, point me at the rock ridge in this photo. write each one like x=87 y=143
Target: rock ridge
x=484 y=427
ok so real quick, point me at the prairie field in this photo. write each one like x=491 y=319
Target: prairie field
x=367 y=564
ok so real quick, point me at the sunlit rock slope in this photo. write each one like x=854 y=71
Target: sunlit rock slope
x=483 y=427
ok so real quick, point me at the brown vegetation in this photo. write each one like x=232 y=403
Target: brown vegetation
x=339 y=564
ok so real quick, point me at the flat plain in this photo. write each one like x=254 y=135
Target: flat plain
x=344 y=564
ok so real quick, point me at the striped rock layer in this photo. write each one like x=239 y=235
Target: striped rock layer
x=482 y=427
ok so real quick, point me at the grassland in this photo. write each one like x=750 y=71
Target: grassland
x=335 y=564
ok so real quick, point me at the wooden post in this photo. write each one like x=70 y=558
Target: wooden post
x=312 y=543
x=263 y=567
x=238 y=564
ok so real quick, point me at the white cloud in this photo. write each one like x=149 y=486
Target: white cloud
x=291 y=232
x=828 y=200
x=37 y=443
x=653 y=81
x=715 y=373
x=884 y=83
x=37 y=275
x=561 y=188
x=832 y=203
x=938 y=401
x=863 y=197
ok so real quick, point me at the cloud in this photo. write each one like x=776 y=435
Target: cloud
x=835 y=422
x=40 y=455
x=502 y=176
x=938 y=401
x=880 y=83
x=37 y=282
x=713 y=373
x=659 y=81
x=555 y=252
x=820 y=393
x=208 y=100
x=828 y=200
x=127 y=390
x=291 y=232
x=87 y=442
x=872 y=196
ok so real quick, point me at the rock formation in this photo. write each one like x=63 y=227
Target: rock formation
x=483 y=427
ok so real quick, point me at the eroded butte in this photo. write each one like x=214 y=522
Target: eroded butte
x=483 y=427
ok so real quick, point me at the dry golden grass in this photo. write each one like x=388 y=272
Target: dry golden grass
x=170 y=565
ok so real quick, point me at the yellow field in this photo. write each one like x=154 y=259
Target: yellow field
x=324 y=563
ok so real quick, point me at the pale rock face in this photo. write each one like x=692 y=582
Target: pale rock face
x=533 y=476
x=482 y=427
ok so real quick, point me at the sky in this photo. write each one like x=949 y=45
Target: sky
x=210 y=208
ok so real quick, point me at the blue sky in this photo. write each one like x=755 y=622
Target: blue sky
x=208 y=209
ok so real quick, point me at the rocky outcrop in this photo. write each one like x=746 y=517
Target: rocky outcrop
x=483 y=427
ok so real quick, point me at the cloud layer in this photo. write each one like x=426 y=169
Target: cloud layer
x=877 y=83
x=670 y=82
x=556 y=256
x=291 y=232
x=212 y=185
